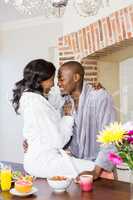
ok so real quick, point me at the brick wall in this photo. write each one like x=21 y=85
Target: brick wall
x=90 y=66
x=106 y=32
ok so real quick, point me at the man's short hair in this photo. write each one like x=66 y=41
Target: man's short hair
x=76 y=67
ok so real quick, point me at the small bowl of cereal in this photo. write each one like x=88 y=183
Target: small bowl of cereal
x=59 y=183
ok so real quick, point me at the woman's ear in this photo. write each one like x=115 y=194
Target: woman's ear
x=76 y=77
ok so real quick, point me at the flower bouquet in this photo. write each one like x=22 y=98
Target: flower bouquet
x=123 y=141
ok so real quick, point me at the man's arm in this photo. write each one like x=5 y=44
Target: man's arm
x=105 y=115
x=95 y=173
x=105 y=110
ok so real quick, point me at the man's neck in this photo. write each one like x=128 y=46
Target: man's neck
x=75 y=96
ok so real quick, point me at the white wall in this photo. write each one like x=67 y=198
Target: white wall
x=20 y=45
x=126 y=88
x=78 y=22
x=108 y=75
x=124 y=60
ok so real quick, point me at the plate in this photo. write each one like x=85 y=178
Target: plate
x=14 y=192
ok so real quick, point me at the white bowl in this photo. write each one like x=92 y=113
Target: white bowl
x=59 y=185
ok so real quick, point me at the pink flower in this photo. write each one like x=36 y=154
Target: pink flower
x=114 y=158
x=130 y=132
x=130 y=139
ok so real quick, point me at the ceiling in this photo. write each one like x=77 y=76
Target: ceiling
x=8 y=13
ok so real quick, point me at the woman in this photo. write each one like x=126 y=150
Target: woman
x=46 y=132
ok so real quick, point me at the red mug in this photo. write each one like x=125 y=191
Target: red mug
x=86 y=183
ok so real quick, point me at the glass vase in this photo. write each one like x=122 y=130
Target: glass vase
x=131 y=184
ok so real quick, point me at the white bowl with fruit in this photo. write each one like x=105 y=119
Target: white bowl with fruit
x=59 y=183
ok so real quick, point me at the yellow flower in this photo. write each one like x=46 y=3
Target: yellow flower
x=112 y=133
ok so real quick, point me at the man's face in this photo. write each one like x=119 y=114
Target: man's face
x=66 y=80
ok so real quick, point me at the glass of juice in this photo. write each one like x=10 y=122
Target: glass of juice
x=86 y=183
x=6 y=177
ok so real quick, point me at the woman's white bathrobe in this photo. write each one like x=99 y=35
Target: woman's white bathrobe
x=47 y=133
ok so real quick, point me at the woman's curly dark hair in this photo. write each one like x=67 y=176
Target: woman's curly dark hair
x=34 y=73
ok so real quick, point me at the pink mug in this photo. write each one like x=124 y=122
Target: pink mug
x=86 y=183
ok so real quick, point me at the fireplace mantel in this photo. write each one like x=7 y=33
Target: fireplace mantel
x=105 y=36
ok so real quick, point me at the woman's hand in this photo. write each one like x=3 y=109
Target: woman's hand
x=25 y=145
x=67 y=108
x=97 y=86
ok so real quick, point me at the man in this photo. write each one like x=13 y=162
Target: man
x=93 y=110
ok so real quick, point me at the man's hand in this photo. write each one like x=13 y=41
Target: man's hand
x=95 y=173
x=25 y=146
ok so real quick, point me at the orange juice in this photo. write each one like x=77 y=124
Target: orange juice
x=6 y=177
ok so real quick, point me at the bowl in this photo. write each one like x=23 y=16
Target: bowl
x=59 y=183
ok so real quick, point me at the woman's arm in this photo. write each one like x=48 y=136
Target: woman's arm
x=41 y=119
x=66 y=123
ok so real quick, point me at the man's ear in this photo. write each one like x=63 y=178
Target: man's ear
x=76 y=77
